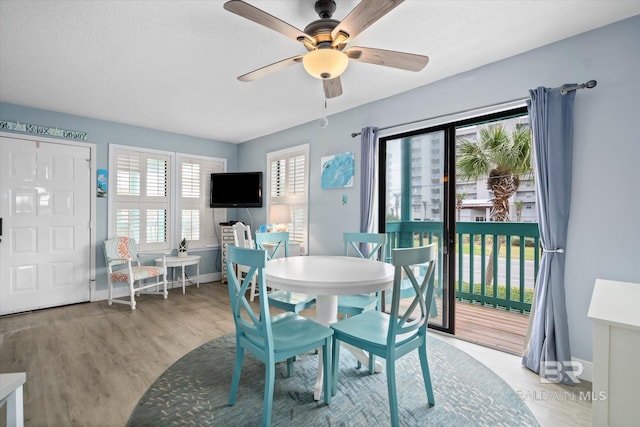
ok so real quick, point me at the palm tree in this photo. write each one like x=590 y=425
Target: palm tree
x=502 y=158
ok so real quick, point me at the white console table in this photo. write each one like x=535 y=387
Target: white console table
x=182 y=261
x=616 y=345
x=11 y=394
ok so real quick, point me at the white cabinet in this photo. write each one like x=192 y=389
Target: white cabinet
x=616 y=345
x=226 y=236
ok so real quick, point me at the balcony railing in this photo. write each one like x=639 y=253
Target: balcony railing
x=514 y=268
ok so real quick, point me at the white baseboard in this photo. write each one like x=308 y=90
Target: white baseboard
x=587 y=373
x=123 y=291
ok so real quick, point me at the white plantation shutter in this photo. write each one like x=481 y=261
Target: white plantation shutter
x=196 y=218
x=278 y=177
x=297 y=173
x=141 y=206
x=288 y=183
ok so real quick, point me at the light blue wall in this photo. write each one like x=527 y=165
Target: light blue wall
x=103 y=133
x=604 y=231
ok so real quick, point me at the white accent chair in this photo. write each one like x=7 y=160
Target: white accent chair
x=124 y=251
x=242 y=239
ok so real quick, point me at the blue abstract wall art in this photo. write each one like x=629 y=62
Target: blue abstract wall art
x=337 y=171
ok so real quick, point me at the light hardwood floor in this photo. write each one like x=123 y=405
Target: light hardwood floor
x=88 y=364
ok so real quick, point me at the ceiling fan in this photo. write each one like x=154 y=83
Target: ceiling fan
x=326 y=40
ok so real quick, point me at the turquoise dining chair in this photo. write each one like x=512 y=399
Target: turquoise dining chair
x=395 y=334
x=269 y=339
x=272 y=243
x=367 y=246
x=375 y=243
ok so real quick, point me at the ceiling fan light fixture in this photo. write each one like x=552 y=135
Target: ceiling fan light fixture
x=325 y=63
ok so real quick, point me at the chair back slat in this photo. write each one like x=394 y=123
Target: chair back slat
x=407 y=322
x=242 y=235
x=255 y=327
x=280 y=239
x=365 y=245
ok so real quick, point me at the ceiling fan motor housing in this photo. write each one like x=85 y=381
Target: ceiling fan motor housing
x=325 y=8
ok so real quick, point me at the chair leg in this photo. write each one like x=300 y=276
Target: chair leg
x=372 y=363
x=426 y=376
x=391 y=386
x=335 y=364
x=269 y=381
x=235 y=379
x=290 y=367
x=132 y=296
x=328 y=373
x=110 y=292
x=165 y=293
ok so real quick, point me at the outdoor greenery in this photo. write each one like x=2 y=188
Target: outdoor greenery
x=502 y=157
x=502 y=292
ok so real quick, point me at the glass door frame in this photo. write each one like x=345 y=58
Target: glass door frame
x=448 y=201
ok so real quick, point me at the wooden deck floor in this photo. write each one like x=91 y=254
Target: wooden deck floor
x=490 y=327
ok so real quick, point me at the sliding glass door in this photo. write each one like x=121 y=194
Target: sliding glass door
x=413 y=203
x=420 y=198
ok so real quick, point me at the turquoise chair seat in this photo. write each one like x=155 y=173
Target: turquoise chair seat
x=269 y=339
x=393 y=335
x=291 y=301
x=371 y=327
x=290 y=329
x=356 y=304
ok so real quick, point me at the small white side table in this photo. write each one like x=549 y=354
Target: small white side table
x=11 y=392
x=178 y=261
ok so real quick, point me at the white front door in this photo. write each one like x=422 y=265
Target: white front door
x=45 y=206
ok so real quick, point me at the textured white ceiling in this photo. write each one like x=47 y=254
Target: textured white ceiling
x=172 y=65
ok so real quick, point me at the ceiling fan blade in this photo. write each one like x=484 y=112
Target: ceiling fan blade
x=276 y=66
x=361 y=17
x=389 y=58
x=332 y=87
x=261 y=17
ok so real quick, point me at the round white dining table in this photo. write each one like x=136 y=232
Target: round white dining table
x=326 y=277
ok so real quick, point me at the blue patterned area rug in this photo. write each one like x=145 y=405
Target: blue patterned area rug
x=195 y=389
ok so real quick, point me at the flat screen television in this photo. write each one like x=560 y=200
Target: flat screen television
x=236 y=190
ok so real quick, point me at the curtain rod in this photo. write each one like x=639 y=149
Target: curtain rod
x=565 y=89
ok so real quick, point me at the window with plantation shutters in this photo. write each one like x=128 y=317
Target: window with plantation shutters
x=288 y=184
x=196 y=219
x=141 y=205
x=159 y=198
